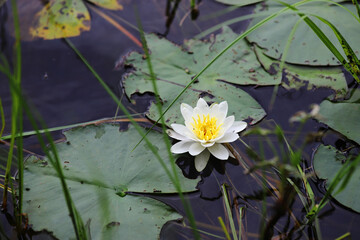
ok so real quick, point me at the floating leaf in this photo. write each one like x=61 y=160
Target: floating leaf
x=306 y=47
x=297 y=76
x=327 y=162
x=59 y=19
x=239 y=2
x=2 y=2
x=101 y=172
x=175 y=68
x=343 y=116
x=109 y=4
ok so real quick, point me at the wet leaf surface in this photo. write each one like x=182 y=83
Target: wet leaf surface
x=175 y=67
x=327 y=162
x=306 y=48
x=61 y=18
x=100 y=168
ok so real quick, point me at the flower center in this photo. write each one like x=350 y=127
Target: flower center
x=205 y=128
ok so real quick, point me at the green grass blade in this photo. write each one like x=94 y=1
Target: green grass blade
x=349 y=52
x=228 y=212
x=324 y=39
x=176 y=181
x=355 y=2
x=2 y=115
x=222 y=224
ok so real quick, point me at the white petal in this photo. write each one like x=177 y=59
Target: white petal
x=222 y=111
x=200 y=111
x=238 y=126
x=201 y=160
x=182 y=130
x=228 y=122
x=219 y=151
x=177 y=136
x=207 y=144
x=186 y=111
x=181 y=147
x=196 y=148
x=201 y=103
x=228 y=137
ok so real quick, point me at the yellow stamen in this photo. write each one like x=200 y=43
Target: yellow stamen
x=205 y=128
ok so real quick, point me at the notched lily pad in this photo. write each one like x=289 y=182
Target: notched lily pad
x=327 y=162
x=174 y=68
x=297 y=76
x=102 y=173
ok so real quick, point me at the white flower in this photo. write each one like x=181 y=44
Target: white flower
x=206 y=128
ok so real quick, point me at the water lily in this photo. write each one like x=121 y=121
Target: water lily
x=206 y=128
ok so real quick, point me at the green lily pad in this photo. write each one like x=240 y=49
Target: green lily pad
x=306 y=48
x=59 y=19
x=102 y=173
x=239 y=2
x=297 y=76
x=174 y=68
x=109 y=4
x=343 y=116
x=327 y=162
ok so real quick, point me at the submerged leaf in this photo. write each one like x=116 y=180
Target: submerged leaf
x=60 y=19
x=101 y=172
x=343 y=116
x=306 y=47
x=109 y=4
x=327 y=162
x=175 y=68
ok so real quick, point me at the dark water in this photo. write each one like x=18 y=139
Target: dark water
x=64 y=92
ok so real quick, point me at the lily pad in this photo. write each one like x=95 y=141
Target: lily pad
x=306 y=48
x=297 y=76
x=102 y=174
x=174 y=68
x=59 y=19
x=239 y=2
x=109 y=4
x=2 y=2
x=327 y=162
x=343 y=116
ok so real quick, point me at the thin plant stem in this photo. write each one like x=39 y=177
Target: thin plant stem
x=241 y=211
x=176 y=181
x=2 y=115
x=228 y=212
x=344 y=236
x=282 y=61
x=222 y=224
x=118 y=119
